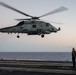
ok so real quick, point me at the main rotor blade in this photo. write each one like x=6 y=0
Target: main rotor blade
x=8 y=6
x=23 y=19
x=55 y=11
x=56 y=22
x=51 y=21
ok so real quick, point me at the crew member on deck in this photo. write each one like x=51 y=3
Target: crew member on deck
x=73 y=56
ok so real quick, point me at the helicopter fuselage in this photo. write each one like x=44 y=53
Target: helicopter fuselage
x=31 y=28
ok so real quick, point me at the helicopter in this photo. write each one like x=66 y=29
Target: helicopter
x=32 y=25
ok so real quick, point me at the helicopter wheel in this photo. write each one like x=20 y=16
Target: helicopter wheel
x=42 y=35
x=18 y=36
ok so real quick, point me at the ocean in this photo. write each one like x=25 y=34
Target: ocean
x=46 y=56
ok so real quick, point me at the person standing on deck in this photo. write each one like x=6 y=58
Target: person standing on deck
x=73 y=56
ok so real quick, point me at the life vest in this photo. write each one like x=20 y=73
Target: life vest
x=74 y=52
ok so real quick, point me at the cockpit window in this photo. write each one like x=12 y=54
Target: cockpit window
x=47 y=24
x=20 y=23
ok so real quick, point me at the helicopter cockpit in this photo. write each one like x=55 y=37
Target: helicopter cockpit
x=47 y=24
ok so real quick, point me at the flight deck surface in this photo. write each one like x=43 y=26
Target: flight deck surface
x=36 y=67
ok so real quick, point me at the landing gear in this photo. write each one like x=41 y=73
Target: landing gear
x=18 y=36
x=42 y=35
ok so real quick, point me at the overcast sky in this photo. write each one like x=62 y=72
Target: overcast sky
x=61 y=41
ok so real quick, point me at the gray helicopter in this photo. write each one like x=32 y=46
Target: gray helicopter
x=32 y=25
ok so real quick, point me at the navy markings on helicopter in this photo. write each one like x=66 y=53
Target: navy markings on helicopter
x=32 y=25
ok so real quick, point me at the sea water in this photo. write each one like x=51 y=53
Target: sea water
x=46 y=56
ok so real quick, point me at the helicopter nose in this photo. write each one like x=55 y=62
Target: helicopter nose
x=59 y=29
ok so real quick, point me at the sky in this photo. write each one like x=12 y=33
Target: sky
x=62 y=41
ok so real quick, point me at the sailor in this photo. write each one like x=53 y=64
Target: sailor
x=73 y=56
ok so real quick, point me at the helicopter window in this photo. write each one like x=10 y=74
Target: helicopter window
x=34 y=26
x=47 y=24
x=20 y=23
x=32 y=21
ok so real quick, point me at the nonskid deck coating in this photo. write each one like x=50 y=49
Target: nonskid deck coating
x=36 y=67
